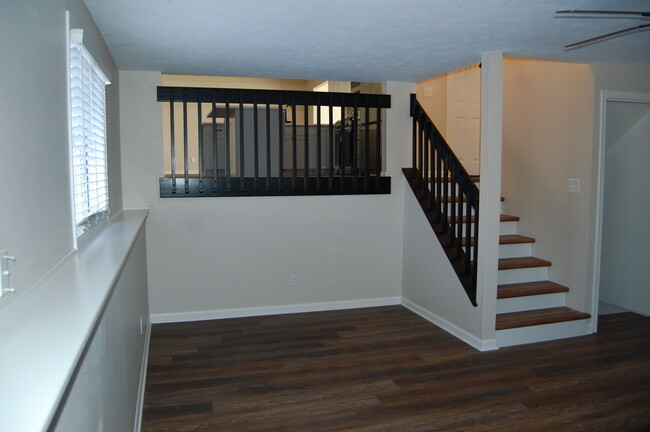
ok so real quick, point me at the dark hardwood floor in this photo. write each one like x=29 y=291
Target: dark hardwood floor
x=386 y=369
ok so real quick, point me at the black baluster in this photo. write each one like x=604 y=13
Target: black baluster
x=215 y=151
x=256 y=153
x=185 y=145
x=306 y=125
x=200 y=124
x=366 y=167
x=242 y=147
x=331 y=128
x=281 y=145
x=294 y=144
x=318 y=146
x=268 y=144
x=173 y=145
x=378 y=145
x=228 y=168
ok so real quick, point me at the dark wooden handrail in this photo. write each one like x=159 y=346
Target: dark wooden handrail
x=447 y=194
x=266 y=152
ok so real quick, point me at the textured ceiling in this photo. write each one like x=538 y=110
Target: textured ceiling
x=355 y=40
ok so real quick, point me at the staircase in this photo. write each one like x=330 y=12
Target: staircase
x=530 y=308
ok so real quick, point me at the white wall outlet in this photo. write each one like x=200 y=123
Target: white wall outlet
x=574 y=186
x=293 y=280
x=193 y=159
x=428 y=91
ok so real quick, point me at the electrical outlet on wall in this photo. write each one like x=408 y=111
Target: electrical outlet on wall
x=293 y=280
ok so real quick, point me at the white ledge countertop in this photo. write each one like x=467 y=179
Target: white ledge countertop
x=44 y=332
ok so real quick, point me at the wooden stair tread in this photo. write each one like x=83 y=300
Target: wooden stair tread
x=502 y=218
x=522 y=262
x=529 y=288
x=473 y=178
x=538 y=317
x=509 y=218
x=515 y=239
x=508 y=239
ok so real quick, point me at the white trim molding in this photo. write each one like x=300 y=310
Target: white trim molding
x=272 y=310
x=454 y=330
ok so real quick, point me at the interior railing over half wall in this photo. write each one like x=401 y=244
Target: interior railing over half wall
x=448 y=196
x=242 y=142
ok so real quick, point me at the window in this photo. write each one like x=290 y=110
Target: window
x=88 y=139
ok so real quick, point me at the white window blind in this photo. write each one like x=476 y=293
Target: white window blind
x=88 y=139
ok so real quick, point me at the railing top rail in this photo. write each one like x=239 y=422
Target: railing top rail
x=282 y=97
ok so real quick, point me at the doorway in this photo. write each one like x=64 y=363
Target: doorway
x=623 y=246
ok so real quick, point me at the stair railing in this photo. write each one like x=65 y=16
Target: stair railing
x=448 y=196
x=271 y=142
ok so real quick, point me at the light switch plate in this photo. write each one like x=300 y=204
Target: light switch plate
x=574 y=186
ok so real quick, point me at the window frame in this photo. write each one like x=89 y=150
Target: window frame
x=88 y=138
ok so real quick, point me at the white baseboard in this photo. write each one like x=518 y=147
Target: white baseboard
x=453 y=329
x=143 y=381
x=272 y=310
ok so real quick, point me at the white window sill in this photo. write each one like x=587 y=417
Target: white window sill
x=44 y=332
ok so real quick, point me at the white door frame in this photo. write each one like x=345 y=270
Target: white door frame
x=605 y=96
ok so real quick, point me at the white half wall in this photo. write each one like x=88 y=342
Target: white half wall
x=106 y=391
x=214 y=254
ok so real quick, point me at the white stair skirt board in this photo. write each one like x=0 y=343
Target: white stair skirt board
x=532 y=302
x=272 y=310
x=522 y=275
x=452 y=329
x=540 y=333
x=509 y=227
x=515 y=250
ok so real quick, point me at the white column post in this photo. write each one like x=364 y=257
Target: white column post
x=490 y=197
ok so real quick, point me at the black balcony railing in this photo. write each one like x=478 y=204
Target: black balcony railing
x=448 y=196
x=269 y=142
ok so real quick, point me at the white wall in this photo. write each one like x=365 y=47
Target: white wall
x=548 y=139
x=36 y=217
x=432 y=94
x=624 y=277
x=429 y=281
x=104 y=393
x=210 y=256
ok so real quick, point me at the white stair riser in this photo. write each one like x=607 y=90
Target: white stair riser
x=515 y=250
x=508 y=228
x=522 y=275
x=541 y=301
x=546 y=332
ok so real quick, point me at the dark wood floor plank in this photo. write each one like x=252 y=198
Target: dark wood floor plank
x=381 y=369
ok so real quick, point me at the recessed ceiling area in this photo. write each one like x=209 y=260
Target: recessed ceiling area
x=360 y=40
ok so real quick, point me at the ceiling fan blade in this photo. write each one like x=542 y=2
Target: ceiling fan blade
x=610 y=14
x=607 y=36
